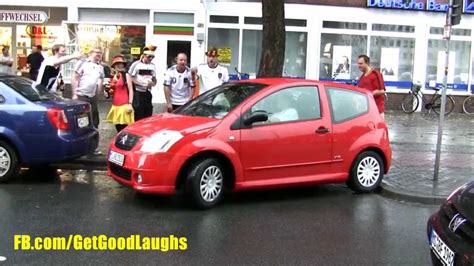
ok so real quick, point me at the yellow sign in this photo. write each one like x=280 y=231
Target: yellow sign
x=135 y=50
x=225 y=55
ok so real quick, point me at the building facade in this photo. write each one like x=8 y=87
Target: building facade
x=403 y=38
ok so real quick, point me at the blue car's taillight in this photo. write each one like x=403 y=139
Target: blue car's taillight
x=58 y=118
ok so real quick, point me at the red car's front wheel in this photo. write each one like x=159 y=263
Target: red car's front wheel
x=205 y=183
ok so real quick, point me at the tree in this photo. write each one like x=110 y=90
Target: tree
x=273 y=38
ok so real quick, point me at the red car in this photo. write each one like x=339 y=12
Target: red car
x=256 y=134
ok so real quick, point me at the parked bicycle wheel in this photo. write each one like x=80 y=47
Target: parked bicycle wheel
x=468 y=105
x=449 y=105
x=410 y=103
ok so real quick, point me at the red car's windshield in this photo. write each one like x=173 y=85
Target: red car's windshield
x=219 y=101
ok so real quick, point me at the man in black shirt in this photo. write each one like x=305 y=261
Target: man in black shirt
x=34 y=61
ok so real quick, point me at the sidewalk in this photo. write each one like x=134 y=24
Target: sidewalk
x=413 y=139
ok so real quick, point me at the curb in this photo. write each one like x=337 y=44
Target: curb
x=84 y=163
x=399 y=195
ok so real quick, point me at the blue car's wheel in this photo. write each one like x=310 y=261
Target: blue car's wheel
x=8 y=162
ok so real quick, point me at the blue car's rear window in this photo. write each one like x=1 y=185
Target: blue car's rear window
x=29 y=90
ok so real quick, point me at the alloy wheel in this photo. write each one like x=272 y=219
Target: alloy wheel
x=368 y=171
x=211 y=183
x=5 y=161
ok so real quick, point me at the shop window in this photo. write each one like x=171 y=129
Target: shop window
x=122 y=15
x=253 y=20
x=224 y=19
x=459 y=61
x=394 y=60
x=173 y=18
x=393 y=28
x=114 y=39
x=456 y=32
x=295 y=22
x=472 y=77
x=344 y=25
x=295 y=53
x=288 y=22
x=338 y=59
x=227 y=40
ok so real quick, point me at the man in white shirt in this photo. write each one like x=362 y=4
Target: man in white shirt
x=6 y=61
x=179 y=85
x=142 y=77
x=211 y=74
x=87 y=81
x=51 y=66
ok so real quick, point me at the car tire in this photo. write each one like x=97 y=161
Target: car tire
x=205 y=183
x=8 y=162
x=366 y=172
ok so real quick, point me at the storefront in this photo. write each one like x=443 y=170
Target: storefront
x=23 y=27
x=403 y=38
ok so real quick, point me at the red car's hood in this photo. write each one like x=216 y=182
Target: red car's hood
x=167 y=121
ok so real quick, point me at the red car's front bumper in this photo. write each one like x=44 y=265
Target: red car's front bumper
x=146 y=173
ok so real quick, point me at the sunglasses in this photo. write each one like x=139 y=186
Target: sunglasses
x=150 y=56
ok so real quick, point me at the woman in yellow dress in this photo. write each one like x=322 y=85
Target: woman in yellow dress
x=121 y=112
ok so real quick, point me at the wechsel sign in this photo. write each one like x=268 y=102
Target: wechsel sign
x=24 y=16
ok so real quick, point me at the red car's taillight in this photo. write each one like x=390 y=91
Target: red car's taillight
x=58 y=119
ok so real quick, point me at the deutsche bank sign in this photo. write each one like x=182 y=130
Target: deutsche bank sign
x=428 y=5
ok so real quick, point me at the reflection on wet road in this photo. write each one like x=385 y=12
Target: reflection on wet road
x=317 y=225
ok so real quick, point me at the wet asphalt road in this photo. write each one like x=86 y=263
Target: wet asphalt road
x=323 y=225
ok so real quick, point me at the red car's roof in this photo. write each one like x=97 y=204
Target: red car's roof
x=279 y=81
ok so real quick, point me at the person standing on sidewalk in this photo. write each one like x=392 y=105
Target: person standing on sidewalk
x=6 y=61
x=211 y=74
x=372 y=80
x=49 y=70
x=121 y=112
x=179 y=85
x=34 y=61
x=142 y=77
x=87 y=81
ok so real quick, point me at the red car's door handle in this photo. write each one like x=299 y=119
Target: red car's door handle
x=322 y=130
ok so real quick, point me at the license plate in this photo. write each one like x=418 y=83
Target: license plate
x=116 y=158
x=83 y=121
x=444 y=253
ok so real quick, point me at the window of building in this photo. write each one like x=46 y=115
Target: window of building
x=459 y=60
x=338 y=59
x=393 y=28
x=227 y=39
x=295 y=53
x=456 y=32
x=224 y=19
x=346 y=104
x=344 y=25
x=291 y=104
x=394 y=57
x=173 y=18
x=288 y=22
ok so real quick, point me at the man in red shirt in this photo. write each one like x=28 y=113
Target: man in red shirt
x=372 y=80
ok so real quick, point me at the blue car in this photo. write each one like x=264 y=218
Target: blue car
x=38 y=127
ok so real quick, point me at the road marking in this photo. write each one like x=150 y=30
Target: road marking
x=2 y=258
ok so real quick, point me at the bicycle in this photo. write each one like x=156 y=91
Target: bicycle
x=412 y=100
x=468 y=105
x=240 y=75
